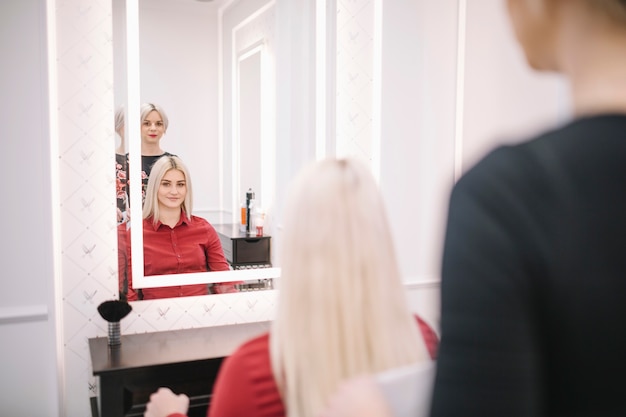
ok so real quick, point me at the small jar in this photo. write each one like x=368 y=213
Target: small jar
x=259 y=221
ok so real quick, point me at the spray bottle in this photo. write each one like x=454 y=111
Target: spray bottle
x=249 y=206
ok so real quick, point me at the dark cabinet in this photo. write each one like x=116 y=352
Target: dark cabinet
x=186 y=361
x=242 y=251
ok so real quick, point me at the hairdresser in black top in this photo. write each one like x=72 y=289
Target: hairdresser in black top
x=154 y=123
x=534 y=266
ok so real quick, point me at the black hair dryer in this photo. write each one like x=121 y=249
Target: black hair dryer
x=249 y=204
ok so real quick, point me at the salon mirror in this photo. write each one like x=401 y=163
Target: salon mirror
x=209 y=65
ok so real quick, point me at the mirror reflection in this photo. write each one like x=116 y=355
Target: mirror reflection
x=174 y=240
x=224 y=150
x=154 y=123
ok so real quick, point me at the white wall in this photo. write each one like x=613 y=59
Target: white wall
x=28 y=381
x=504 y=100
x=417 y=127
x=448 y=96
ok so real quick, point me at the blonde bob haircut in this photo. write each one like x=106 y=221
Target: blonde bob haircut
x=159 y=169
x=342 y=307
x=146 y=108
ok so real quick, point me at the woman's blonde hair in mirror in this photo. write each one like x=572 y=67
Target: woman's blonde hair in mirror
x=119 y=129
x=342 y=308
x=119 y=121
x=160 y=167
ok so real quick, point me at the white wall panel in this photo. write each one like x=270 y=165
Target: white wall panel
x=28 y=380
x=419 y=44
x=505 y=100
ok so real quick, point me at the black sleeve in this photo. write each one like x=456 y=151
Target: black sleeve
x=487 y=362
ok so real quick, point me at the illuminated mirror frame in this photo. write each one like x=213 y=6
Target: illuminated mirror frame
x=134 y=147
x=267 y=129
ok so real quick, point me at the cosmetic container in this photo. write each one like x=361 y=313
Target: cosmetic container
x=259 y=221
x=249 y=217
x=242 y=224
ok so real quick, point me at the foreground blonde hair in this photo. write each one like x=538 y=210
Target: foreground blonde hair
x=159 y=169
x=342 y=309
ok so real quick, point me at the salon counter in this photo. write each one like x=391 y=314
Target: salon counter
x=183 y=360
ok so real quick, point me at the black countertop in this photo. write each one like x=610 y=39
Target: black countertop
x=170 y=347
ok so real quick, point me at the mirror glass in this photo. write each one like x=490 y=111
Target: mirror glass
x=209 y=66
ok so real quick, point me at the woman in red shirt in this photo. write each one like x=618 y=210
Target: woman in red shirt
x=174 y=240
x=342 y=308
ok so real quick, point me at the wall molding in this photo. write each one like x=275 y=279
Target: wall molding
x=23 y=314
x=417 y=283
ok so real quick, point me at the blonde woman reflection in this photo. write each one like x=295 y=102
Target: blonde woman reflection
x=342 y=308
x=174 y=240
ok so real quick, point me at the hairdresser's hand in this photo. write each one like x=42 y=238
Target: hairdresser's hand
x=164 y=403
x=358 y=397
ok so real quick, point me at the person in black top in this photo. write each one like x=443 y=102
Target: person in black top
x=533 y=271
x=154 y=123
x=533 y=266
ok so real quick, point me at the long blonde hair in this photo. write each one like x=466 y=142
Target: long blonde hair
x=159 y=169
x=342 y=308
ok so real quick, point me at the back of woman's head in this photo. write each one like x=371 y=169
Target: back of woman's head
x=342 y=308
x=336 y=234
x=159 y=169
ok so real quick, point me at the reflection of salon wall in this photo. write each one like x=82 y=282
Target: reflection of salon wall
x=178 y=64
x=181 y=45
x=239 y=33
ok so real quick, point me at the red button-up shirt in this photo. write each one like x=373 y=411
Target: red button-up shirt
x=191 y=246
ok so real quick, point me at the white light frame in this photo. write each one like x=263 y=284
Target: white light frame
x=134 y=175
